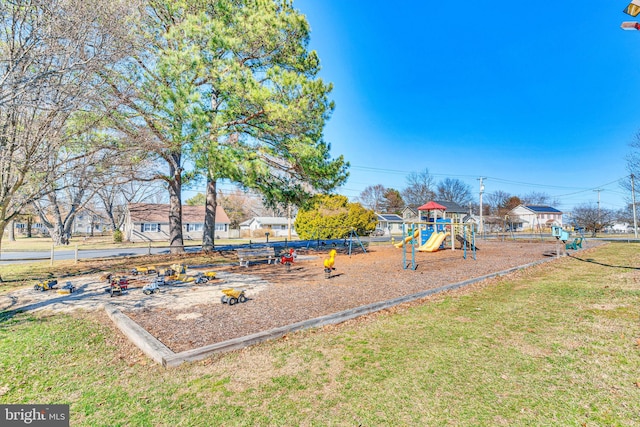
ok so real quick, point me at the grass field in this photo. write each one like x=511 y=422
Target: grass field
x=554 y=345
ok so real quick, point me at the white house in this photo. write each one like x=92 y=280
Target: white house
x=620 y=228
x=533 y=217
x=275 y=226
x=145 y=222
x=87 y=222
x=389 y=224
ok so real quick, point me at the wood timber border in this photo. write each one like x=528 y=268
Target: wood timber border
x=163 y=355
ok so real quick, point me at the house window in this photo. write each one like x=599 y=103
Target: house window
x=221 y=227
x=150 y=228
x=195 y=227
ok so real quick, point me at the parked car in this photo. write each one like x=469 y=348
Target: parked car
x=377 y=232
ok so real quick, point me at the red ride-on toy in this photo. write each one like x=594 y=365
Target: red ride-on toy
x=287 y=259
x=118 y=285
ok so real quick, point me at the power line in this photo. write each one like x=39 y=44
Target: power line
x=496 y=179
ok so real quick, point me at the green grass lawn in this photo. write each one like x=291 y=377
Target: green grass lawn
x=555 y=345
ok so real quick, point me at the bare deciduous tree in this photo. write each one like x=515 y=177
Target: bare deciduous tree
x=123 y=188
x=420 y=188
x=372 y=197
x=79 y=175
x=50 y=51
x=454 y=190
x=537 y=198
x=592 y=218
x=496 y=201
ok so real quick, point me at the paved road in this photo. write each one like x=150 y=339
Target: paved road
x=70 y=254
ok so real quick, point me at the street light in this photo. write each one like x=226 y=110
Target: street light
x=481 y=225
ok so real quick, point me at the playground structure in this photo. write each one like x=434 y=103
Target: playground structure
x=432 y=236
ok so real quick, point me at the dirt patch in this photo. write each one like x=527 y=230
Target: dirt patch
x=184 y=316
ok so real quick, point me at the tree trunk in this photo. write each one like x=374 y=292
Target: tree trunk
x=56 y=235
x=112 y=220
x=12 y=231
x=211 y=205
x=176 y=241
x=3 y=224
x=68 y=225
x=29 y=226
x=60 y=230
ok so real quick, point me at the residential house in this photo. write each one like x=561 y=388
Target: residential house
x=454 y=211
x=37 y=228
x=389 y=224
x=275 y=226
x=619 y=228
x=87 y=222
x=533 y=217
x=146 y=222
x=410 y=214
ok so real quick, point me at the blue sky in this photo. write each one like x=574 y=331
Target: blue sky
x=534 y=96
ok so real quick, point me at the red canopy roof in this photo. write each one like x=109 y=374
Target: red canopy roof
x=430 y=206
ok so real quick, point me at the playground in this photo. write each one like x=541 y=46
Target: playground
x=303 y=293
x=186 y=316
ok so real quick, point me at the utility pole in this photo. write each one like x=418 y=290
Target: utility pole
x=598 y=223
x=481 y=225
x=633 y=206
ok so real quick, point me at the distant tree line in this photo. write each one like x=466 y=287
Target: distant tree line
x=422 y=187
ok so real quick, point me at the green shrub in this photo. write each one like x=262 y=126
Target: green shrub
x=118 y=237
x=333 y=216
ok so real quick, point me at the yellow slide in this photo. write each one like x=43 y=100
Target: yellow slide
x=406 y=239
x=435 y=244
x=429 y=241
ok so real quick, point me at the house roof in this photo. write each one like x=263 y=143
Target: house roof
x=389 y=217
x=452 y=207
x=159 y=213
x=542 y=209
x=267 y=220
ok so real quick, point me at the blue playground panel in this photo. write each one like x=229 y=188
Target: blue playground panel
x=427 y=230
